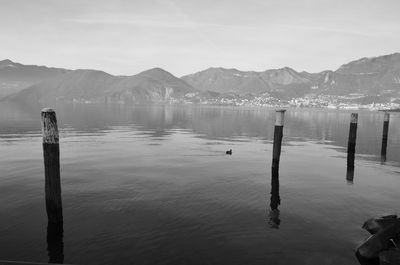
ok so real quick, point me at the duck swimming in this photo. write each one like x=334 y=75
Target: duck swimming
x=229 y=152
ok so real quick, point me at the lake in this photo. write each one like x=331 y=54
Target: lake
x=153 y=185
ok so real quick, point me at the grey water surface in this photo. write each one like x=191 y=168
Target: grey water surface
x=153 y=185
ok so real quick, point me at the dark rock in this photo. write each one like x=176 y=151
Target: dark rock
x=390 y=257
x=380 y=241
x=365 y=261
x=374 y=225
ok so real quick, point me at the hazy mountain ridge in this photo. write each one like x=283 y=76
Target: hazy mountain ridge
x=377 y=76
x=78 y=84
x=154 y=85
x=96 y=86
x=369 y=76
x=234 y=81
x=15 y=76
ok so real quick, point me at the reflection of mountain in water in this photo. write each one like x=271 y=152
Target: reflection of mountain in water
x=214 y=122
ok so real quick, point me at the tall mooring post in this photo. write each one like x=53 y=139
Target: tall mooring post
x=278 y=134
x=385 y=135
x=275 y=200
x=351 y=147
x=51 y=154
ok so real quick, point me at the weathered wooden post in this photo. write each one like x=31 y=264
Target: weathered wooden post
x=275 y=200
x=385 y=135
x=278 y=134
x=51 y=154
x=351 y=146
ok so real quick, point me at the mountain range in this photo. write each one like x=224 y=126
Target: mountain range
x=154 y=85
x=370 y=76
x=376 y=76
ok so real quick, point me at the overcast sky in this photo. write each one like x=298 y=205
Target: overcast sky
x=185 y=36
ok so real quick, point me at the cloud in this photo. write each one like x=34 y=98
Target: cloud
x=125 y=37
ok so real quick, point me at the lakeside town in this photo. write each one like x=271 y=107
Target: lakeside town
x=355 y=101
x=348 y=102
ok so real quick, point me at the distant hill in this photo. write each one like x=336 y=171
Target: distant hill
x=234 y=81
x=15 y=76
x=372 y=76
x=78 y=84
x=96 y=86
x=154 y=85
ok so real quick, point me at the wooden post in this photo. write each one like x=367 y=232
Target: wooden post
x=51 y=154
x=351 y=147
x=278 y=133
x=275 y=200
x=385 y=135
x=276 y=153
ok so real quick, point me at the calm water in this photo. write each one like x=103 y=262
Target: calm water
x=152 y=185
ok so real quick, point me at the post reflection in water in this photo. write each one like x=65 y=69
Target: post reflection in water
x=274 y=220
x=350 y=169
x=55 y=244
x=383 y=159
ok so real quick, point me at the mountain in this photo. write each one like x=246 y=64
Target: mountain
x=376 y=75
x=223 y=80
x=370 y=76
x=15 y=76
x=96 y=86
x=234 y=81
x=78 y=84
x=373 y=65
x=152 y=85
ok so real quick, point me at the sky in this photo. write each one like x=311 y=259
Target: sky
x=125 y=37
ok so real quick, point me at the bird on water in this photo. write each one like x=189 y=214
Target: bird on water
x=229 y=152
